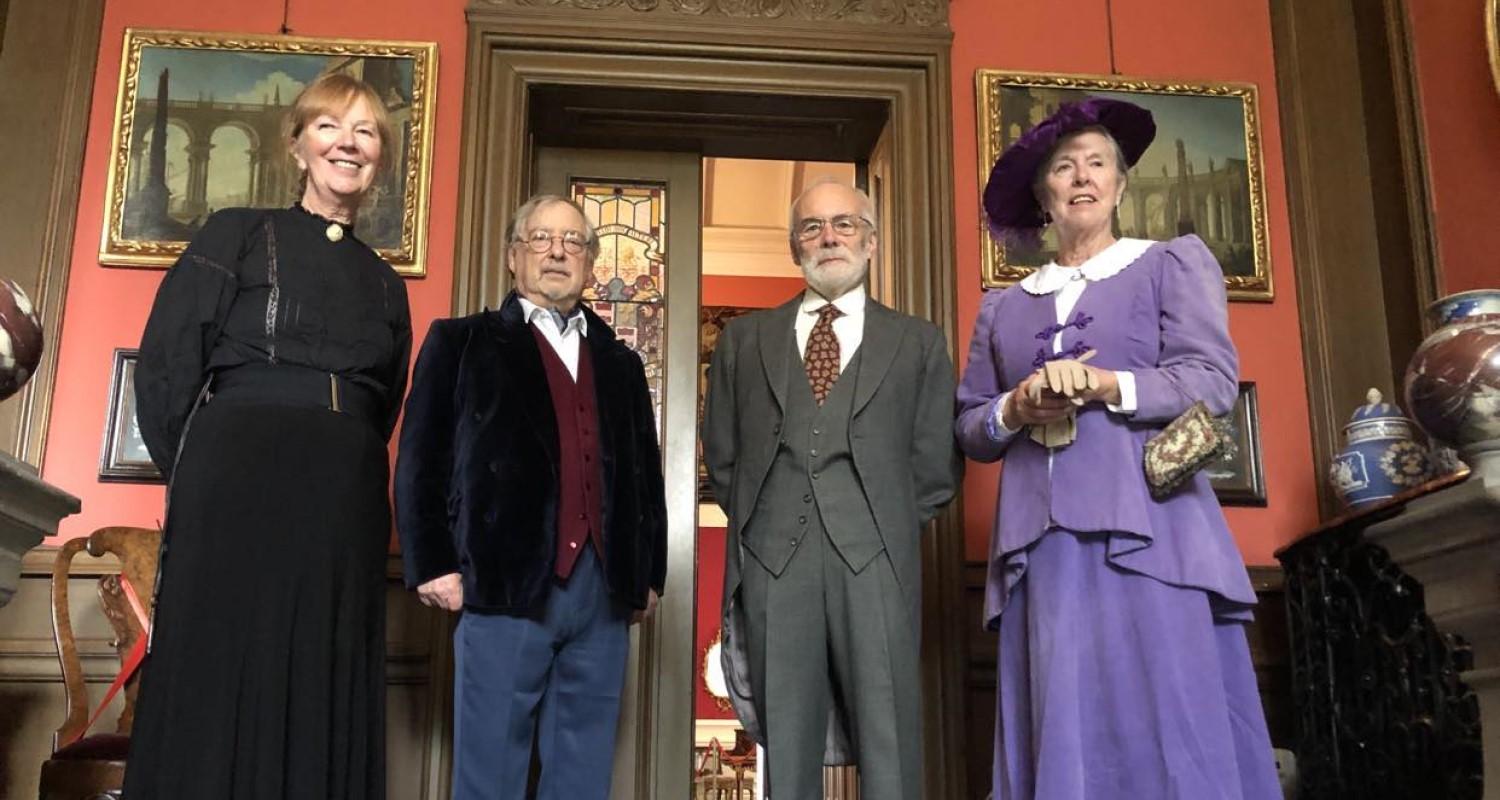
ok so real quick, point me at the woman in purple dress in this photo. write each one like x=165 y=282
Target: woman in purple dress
x=1123 y=665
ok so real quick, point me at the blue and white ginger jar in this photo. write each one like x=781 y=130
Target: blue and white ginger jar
x=1380 y=457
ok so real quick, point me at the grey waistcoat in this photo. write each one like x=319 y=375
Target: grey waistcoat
x=812 y=487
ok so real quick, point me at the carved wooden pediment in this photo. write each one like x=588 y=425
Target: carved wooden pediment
x=918 y=14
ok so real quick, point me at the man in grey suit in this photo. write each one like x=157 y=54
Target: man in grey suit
x=828 y=436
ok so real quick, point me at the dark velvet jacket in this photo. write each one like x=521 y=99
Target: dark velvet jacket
x=477 y=473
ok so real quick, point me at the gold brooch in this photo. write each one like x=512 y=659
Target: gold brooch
x=335 y=232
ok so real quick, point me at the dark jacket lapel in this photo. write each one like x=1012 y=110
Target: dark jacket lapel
x=776 y=338
x=522 y=359
x=882 y=338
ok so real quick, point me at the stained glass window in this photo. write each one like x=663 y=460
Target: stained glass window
x=628 y=287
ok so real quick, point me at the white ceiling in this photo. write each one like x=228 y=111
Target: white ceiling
x=745 y=206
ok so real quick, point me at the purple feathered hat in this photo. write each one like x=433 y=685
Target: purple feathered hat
x=1010 y=206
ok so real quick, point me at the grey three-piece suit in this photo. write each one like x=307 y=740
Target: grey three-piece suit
x=822 y=595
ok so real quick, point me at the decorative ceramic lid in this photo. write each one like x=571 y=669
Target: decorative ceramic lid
x=1377 y=419
x=1375 y=408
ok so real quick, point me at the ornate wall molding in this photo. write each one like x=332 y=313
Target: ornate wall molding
x=931 y=14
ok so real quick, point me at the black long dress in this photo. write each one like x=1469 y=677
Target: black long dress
x=266 y=673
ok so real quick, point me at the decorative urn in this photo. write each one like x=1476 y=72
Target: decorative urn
x=1453 y=381
x=1380 y=457
x=20 y=338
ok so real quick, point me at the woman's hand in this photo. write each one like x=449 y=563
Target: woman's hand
x=1104 y=387
x=1051 y=393
x=1032 y=403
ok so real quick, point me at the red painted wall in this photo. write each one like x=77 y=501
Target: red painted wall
x=1159 y=39
x=711 y=542
x=106 y=307
x=1461 y=115
x=749 y=292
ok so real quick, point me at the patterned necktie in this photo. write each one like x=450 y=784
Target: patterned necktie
x=822 y=357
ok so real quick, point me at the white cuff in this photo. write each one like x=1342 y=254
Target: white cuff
x=997 y=429
x=1127 y=404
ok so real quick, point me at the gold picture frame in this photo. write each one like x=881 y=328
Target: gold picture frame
x=1492 y=39
x=229 y=92
x=1217 y=123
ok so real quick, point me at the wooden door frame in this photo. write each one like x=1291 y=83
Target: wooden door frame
x=772 y=47
x=1361 y=219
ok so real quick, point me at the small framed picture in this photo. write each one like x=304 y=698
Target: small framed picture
x=711 y=322
x=123 y=456
x=1236 y=474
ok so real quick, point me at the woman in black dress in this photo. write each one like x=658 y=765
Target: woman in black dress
x=270 y=377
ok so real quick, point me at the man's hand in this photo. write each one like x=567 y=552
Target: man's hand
x=445 y=592
x=650 y=608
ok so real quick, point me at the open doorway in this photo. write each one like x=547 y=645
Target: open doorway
x=528 y=92
x=746 y=267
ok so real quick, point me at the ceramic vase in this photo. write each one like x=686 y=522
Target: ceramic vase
x=20 y=338
x=1380 y=456
x=1453 y=380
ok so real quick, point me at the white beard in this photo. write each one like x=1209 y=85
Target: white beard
x=833 y=280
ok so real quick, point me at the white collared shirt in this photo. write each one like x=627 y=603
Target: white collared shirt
x=849 y=328
x=1067 y=285
x=564 y=342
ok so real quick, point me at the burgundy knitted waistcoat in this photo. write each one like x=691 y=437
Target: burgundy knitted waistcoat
x=579 y=475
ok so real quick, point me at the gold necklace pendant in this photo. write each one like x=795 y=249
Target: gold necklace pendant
x=334 y=232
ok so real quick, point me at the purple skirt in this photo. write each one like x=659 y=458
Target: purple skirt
x=1116 y=685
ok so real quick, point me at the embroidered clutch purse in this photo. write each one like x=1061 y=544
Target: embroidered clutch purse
x=1181 y=449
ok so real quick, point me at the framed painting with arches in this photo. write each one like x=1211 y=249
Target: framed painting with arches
x=199 y=126
x=1201 y=175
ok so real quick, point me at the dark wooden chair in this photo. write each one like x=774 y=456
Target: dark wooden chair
x=92 y=767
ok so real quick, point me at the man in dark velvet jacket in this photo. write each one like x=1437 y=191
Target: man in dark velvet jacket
x=529 y=497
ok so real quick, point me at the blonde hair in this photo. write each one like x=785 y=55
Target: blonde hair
x=334 y=93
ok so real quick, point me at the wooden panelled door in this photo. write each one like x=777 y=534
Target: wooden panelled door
x=645 y=208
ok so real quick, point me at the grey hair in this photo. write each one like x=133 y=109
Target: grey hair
x=1039 y=181
x=864 y=201
x=523 y=217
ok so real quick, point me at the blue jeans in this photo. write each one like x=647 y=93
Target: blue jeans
x=556 y=674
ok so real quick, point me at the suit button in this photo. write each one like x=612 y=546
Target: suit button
x=494 y=467
x=815 y=476
x=802 y=520
x=573 y=545
x=817 y=432
x=794 y=543
x=776 y=429
x=583 y=516
x=812 y=452
x=807 y=498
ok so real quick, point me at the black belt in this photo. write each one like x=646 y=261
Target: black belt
x=290 y=385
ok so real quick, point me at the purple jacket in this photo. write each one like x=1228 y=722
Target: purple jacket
x=1163 y=318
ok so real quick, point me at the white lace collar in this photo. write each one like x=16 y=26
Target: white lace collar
x=1106 y=263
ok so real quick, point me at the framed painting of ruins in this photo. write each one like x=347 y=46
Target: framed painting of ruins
x=198 y=127
x=1201 y=175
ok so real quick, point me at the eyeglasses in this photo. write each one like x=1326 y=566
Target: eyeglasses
x=573 y=242
x=843 y=225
